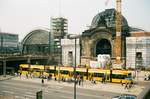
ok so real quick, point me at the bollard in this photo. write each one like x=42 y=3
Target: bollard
x=39 y=95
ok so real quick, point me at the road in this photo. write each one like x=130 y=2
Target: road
x=27 y=90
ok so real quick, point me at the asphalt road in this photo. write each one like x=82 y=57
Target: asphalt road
x=27 y=90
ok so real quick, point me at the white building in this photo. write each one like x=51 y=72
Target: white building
x=68 y=52
x=138 y=50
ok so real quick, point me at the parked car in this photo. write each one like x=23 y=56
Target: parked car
x=125 y=96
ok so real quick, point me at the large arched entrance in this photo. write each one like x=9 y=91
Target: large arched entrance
x=103 y=46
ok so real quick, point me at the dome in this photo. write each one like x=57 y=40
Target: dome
x=37 y=36
x=107 y=19
x=36 y=42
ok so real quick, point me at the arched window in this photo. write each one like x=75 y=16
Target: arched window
x=103 y=47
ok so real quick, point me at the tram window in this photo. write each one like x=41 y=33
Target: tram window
x=36 y=69
x=64 y=72
x=25 y=69
x=82 y=73
x=98 y=75
x=51 y=71
x=108 y=76
x=129 y=75
x=118 y=76
x=78 y=73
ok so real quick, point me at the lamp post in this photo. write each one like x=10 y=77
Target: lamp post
x=136 y=57
x=59 y=63
x=72 y=36
x=75 y=72
x=4 y=59
x=57 y=45
x=29 y=63
x=4 y=67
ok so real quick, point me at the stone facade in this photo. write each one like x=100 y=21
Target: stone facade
x=101 y=38
x=89 y=45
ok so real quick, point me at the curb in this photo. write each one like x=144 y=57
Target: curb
x=91 y=87
x=6 y=78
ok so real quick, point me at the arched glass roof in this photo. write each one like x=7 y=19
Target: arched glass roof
x=37 y=36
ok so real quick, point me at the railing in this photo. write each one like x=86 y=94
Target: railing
x=15 y=57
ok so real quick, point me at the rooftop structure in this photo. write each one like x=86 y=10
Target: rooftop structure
x=59 y=27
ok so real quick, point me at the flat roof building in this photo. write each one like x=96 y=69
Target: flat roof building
x=9 y=43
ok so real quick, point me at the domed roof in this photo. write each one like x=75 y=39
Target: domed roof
x=107 y=19
x=37 y=36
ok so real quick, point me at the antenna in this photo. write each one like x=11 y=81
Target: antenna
x=118 y=40
x=106 y=3
x=59 y=8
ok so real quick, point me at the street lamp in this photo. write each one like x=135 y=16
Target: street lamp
x=29 y=63
x=4 y=67
x=72 y=36
x=57 y=44
x=59 y=63
x=4 y=59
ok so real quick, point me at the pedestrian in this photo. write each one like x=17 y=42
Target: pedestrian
x=81 y=79
x=91 y=79
x=27 y=75
x=126 y=86
x=55 y=77
x=102 y=79
x=131 y=84
x=121 y=82
x=148 y=76
x=30 y=75
x=42 y=81
x=49 y=77
x=15 y=74
x=94 y=81
x=20 y=74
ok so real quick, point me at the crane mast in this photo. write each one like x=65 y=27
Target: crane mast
x=118 y=40
x=118 y=18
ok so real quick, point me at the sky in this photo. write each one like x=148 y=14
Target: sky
x=22 y=16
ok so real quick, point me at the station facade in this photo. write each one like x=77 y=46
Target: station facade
x=98 y=39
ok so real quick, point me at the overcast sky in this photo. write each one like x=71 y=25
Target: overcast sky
x=22 y=16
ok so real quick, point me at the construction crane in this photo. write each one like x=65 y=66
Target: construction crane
x=118 y=18
x=118 y=40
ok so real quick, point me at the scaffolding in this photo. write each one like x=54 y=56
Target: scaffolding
x=59 y=27
x=137 y=52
